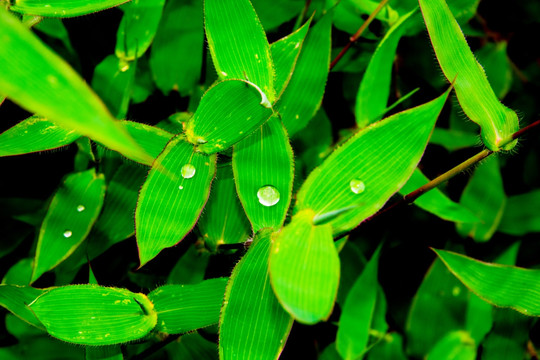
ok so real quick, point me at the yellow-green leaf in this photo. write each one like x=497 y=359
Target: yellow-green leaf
x=62 y=8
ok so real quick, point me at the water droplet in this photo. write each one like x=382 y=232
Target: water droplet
x=81 y=208
x=357 y=186
x=181 y=187
x=456 y=291
x=188 y=171
x=268 y=195
x=67 y=233
x=223 y=73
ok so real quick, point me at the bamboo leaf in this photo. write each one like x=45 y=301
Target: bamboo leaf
x=304 y=269
x=95 y=315
x=263 y=169
x=363 y=173
x=372 y=96
x=436 y=202
x=228 y=112
x=508 y=337
x=172 y=197
x=303 y=95
x=183 y=308
x=16 y=298
x=500 y=285
x=453 y=139
x=521 y=215
x=180 y=32
x=190 y=268
x=389 y=348
x=253 y=329
x=238 y=43
x=459 y=65
x=41 y=82
x=152 y=139
x=455 y=345
x=111 y=352
x=72 y=212
x=137 y=28
x=192 y=346
x=62 y=8
x=34 y=134
x=224 y=220
x=484 y=196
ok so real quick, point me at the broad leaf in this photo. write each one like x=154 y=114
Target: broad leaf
x=362 y=174
x=389 y=348
x=62 y=8
x=253 y=329
x=508 y=337
x=16 y=298
x=453 y=139
x=95 y=315
x=372 y=96
x=172 y=198
x=238 y=43
x=455 y=345
x=304 y=269
x=152 y=139
x=497 y=65
x=34 y=134
x=42 y=82
x=263 y=170
x=500 y=285
x=72 y=212
x=184 y=308
x=192 y=346
x=521 y=214
x=228 y=112
x=459 y=65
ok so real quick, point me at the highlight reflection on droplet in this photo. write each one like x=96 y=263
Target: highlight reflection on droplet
x=268 y=195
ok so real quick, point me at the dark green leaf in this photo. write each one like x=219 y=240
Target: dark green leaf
x=389 y=348
x=16 y=298
x=189 y=269
x=521 y=214
x=453 y=139
x=457 y=345
x=192 y=347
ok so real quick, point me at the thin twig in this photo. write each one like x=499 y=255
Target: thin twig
x=359 y=33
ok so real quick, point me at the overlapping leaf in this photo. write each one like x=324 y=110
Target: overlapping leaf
x=263 y=169
x=459 y=65
x=360 y=176
x=304 y=269
x=184 y=308
x=16 y=298
x=253 y=329
x=238 y=43
x=94 y=315
x=521 y=214
x=41 y=82
x=455 y=345
x=62 y=8
x=72 y=212
x=172 y=197
x=150 y=138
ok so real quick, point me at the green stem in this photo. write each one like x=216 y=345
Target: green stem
x=302 y=15
x=358 y=33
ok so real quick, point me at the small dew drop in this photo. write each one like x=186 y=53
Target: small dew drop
x=357 y=186
x=188 y=171
x=180 y=187
x=224 y=73
x=456 y=291
x=67 y=233
x=268 y=195
x=81 y=208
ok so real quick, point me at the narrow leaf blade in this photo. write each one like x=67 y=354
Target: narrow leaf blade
x=62 y=8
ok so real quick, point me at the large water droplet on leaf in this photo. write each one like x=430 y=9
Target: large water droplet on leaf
x=268 y=195
x=81 y=208
x=188 y=171
x=67 y=233
x=357 y=186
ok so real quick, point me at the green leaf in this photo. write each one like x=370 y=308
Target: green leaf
x=34 y=134
x=113 y=81
x=500 y=285
x=238 y=43
x=389 y=348
x=41 y=82
x=285 y=53
x=263 y=170
x=95 y=315
x=453 y=140
x=111 y=352
x=484 y=196
x=436 y=202
x=521 y=215
x=459 y=65
x=224 y=220
x=274 y=13
x=20 y=273
x=508 y=337
x=312 y=144
x=190 y=268
x=457 y=345
x=180 y=32
x=370 y=167
x=352 y=263
x=439 y=305
x=304 y=269
x=183 y=308
x=72 y=212
x=152 y=139
x=303 y=95
x=253 y=324
x=357 y=313
x=172 y=197
x=62 y=8
x=497 y=65
x=192 y=346
x=372 y=96
x=228 y=112
x=16 y=298
x=137 y=28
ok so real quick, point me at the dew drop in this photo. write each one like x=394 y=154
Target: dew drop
x=81 y=208
x=180 y=187
x=357 y=186
x=456 y=291
x=224 y=73
x=188 y=171
x=268 y=195
x=67 y=233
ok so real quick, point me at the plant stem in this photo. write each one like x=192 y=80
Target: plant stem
x=358 y=33
x=302 y=15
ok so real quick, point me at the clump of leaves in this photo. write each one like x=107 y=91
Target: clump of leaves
x=248 y=176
